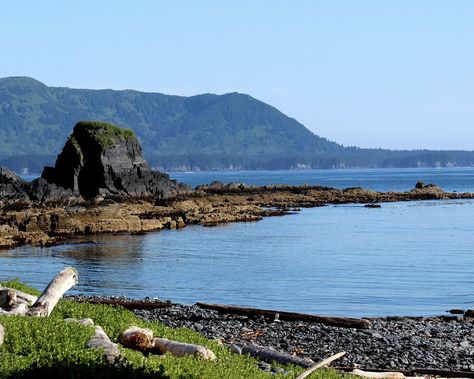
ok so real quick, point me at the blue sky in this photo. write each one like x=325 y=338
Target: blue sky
x=391 y=74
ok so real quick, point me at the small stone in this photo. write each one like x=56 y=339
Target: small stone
x=265 y=366
x=277 y=370
x=235 y=349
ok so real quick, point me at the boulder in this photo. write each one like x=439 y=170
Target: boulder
x=102 y=159
x=12 y=187
x=419 y=185
x=41 y=190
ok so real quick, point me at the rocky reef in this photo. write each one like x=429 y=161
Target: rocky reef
x=101 y=184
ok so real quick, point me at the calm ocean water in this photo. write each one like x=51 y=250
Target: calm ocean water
x=412 y=258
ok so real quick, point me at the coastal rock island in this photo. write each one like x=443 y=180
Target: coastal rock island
x=102 y=159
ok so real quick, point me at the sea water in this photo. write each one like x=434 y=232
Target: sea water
x=406 y=258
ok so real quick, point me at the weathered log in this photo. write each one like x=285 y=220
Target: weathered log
x=19 y=309
x=100 y=340
x=45 y=304
x=324 y=362
x=129 y=304
x=2 y=334
x=378 y=375
x=21 y=297
x=420 y=371
x=137 y=338
x=7 y=298
x=345 y=322
x=180 y=349
x=142 y=339
x=82 y=321
x=269 y=355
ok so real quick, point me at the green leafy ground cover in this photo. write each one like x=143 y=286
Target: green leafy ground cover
x=104 y=133
x=57 y=349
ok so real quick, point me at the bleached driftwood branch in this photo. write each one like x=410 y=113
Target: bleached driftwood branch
x=325 y=362
x=378 y=375
x=100 y=340
x=143 y=340
x=45 y=304
x=180 y=349
x=7 y=298
x=21 y=297
x=18 y=309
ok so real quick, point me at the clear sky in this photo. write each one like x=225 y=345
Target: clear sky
x=390 y=74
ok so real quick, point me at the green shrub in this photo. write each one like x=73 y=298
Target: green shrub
x=106 y=134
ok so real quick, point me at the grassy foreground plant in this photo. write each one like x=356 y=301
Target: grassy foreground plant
x=57 y=349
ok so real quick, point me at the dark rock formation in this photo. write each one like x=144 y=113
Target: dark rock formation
x=419 y=185
x=430 y=188
x=103 y=159
x=41 y=190
x=12 y=186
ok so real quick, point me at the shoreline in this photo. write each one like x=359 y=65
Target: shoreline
x=390 y=343
x=58 y=222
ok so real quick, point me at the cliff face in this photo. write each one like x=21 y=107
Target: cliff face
x=103 y=159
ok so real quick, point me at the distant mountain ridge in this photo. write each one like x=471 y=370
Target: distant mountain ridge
x=198 y=132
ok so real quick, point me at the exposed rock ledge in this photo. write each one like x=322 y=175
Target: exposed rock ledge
x=27 y=222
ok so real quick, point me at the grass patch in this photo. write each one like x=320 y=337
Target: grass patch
x=56 y=349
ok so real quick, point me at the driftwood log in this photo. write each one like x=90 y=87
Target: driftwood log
x=180 y=349
x=143 y=340
x=7 y=298
x=18 y=309
x=344 y=322
x=66 y=279
x=83 y=321
x=2 y=334
x=129 y=304
x=21 y=297
x=269 y=355
x=323 y=363
x=100 y=340
x=378 y=375
x=418 y=371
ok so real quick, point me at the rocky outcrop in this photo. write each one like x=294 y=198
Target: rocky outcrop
x=103 y=159
x=26 y=222
x=12 y=186
x=423 y=188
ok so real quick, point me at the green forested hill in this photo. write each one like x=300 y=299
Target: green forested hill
x=199 y=132
x=36 y=119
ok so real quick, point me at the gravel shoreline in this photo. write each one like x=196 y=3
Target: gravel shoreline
x=405 y=343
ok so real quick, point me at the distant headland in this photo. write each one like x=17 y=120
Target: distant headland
x=203 y=132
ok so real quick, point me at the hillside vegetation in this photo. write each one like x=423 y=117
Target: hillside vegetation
x=199 y=132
